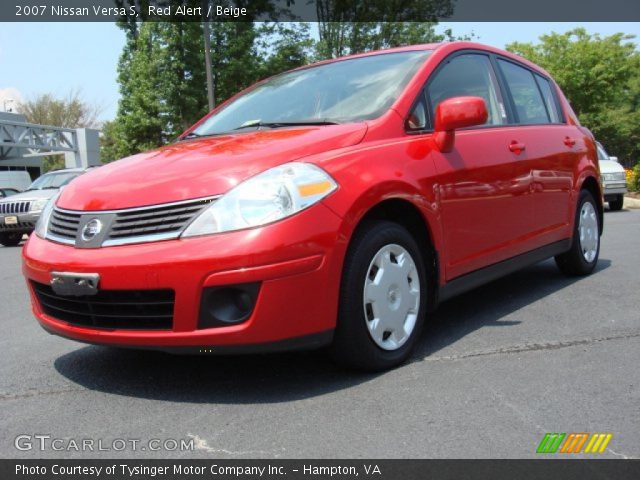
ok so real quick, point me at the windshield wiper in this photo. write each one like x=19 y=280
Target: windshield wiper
x=258 y=124
x=192 y=135
x=285 y=124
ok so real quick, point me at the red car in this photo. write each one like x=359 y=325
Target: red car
x=333 y=205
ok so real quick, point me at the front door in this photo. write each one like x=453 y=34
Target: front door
x=484 y=183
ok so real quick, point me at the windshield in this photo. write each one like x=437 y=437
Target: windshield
x=339 y=92
x=52 y=180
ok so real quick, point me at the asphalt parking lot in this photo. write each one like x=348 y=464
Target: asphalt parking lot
x=496 y=369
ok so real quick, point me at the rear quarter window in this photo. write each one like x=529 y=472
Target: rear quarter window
x=549 y=99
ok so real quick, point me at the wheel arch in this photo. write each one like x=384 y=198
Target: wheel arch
x=405 y=213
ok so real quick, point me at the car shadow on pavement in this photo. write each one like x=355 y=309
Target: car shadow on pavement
x=486 y=306
x=239 y=379
x=293 y=376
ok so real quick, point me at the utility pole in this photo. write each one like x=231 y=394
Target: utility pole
x=207 y=56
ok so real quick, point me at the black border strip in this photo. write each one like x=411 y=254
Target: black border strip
x=308 y=10
x=578 y=469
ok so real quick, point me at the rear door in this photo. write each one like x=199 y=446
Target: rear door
x=484 y=188
x=550 y=149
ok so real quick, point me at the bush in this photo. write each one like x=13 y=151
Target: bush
x=633 y=178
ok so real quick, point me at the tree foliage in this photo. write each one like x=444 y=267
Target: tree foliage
x=343 y=38
x=353 y=26
x=71 y=111
x=162 y=75
x=601 y=78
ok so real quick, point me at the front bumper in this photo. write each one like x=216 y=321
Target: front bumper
x=614 y=188
x=26 y=222
x=296 y=261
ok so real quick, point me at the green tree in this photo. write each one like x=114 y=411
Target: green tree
x=353 y=26
x=139 y=121
x=282 y=46
x=600 y=77
x=162 y=80
x=234 y=58
x=343 y=38
x=162 y=75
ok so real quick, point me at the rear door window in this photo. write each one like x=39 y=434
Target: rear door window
x=528 y=102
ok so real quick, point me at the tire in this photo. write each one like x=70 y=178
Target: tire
x=616 y=204
x=10 y=239
x=582 y=258
x=399 y=283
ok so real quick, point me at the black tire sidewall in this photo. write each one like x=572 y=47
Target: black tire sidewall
x=353 y=343
x=584 y=266
x=617 y=204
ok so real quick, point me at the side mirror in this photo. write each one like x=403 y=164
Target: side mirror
x=455 y=113
x=614 y=159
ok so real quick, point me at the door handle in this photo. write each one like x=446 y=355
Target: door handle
x=569 y=142
x=517 y=147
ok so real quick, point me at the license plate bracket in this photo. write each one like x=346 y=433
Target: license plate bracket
x=75 y=284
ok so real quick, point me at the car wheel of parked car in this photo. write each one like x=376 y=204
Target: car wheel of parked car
x=616 y=204
x=10 y=239
x=581 y=259
x=382 y=298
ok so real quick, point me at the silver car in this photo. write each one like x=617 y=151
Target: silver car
x=613 y=179
x=19 y=213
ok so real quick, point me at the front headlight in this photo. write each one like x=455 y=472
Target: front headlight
x=610 y=177
x=38 y=205
x=268 y=197
x=43 y=220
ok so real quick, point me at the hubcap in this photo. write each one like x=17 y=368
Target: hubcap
x=588 y=230
x=391 y=297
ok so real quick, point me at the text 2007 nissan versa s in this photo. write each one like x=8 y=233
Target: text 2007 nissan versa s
x=333 y=205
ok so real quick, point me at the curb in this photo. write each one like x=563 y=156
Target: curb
x=631 y=202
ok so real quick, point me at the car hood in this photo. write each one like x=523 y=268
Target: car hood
x=200 y=167
x=30 y=195
x=609 y=166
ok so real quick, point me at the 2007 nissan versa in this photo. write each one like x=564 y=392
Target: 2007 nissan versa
x=333 y=205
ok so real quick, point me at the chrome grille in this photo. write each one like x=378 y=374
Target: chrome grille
x=64 y=224
x=133 y=225
x=14 y=207
x=152 y=221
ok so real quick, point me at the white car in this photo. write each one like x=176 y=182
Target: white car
x=613 y=179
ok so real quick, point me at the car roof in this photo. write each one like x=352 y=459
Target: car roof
x=450 y=47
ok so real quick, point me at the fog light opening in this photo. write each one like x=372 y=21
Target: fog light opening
x=228 y=305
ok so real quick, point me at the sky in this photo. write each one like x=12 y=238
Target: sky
x=37 y=58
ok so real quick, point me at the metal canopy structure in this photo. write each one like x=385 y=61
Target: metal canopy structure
x=24 y=144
